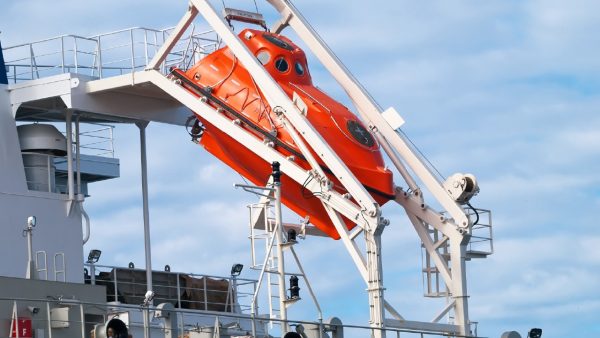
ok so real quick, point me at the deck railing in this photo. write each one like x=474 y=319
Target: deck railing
x=63 y=316
x=105 y=55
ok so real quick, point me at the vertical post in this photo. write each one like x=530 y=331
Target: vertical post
x=62 y=53
x=279 y=235
x=81 y=313
x=458 y=248
x=178 y=292
x=69 y=128
x=144 y=163
x=375 y=283
x=75 y=58
x=77 y=155
x=49 y=319
x=31 y=272
x=99 y=58
x=49 y=160
x=132 y=51
x=93 y=274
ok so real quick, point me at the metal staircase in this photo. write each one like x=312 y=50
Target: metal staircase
x=480 y=245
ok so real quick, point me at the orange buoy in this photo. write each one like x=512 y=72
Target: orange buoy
x=226 y=84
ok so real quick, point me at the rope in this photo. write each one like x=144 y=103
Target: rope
x=422 y=155
x=256 y=6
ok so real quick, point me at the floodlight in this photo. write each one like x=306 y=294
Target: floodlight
x=535 y=333
x=148 y=297
x=294 y=288
x=94 y=256
x=236 y=269
x=31 y=220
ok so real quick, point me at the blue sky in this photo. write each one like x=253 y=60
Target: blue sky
x=507 y=90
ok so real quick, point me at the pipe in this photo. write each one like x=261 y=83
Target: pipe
x=78 y=156
x=69 y=127
x=144 y=165
x=86 y=237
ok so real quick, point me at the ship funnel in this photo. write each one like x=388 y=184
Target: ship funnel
x=42 y=138
x=40 y=143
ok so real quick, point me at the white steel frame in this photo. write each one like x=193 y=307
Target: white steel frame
x=365 y=212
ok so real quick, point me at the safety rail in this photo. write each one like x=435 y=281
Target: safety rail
x=481 y=243
x=85 y=319
x=95 y=139
x=234 y=295
x=105 y=55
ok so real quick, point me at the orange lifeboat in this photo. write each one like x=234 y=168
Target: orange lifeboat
x=227 y=85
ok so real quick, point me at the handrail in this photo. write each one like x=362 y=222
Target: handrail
x=44 y=318
x=118 y=52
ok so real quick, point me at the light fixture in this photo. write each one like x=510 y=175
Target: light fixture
x=535 y=333
x=236 y=269
x=291 y=236
x=294 y=288
x=94 y=256
x=148 y=298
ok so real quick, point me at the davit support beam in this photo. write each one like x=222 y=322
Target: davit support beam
x=365 y=211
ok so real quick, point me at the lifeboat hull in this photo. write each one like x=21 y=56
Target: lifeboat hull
x=228 y=86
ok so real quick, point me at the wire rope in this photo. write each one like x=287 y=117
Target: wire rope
x=422 y=155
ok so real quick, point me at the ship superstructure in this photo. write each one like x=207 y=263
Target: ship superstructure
x=88 y=84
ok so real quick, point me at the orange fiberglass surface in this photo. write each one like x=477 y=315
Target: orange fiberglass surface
x=227 y=85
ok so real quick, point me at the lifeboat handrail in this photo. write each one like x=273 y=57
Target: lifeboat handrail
x=311 y=97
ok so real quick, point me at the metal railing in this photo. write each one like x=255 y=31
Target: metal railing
x=482 y=239
x=105 y=55
x=85 y=319
x=235 y=295
x=95 y=139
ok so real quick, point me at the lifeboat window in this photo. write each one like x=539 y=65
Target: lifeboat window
x=360 y=133
x=299 y=68
x=282 y=65
x=263 y=57
x=278 y=42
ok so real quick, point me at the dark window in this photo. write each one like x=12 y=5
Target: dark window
x=278 y=42
x=282 y=65
x=360 y=133
x=299 y=68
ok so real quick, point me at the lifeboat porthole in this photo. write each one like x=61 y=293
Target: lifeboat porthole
x=360 y=133
x=282 y=65
x=299 y=68
x=263 y=57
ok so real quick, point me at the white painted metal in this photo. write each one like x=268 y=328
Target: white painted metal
x=280 y=258
x=367 y=107
x=178 y=31
x=455 y=227
x=31 y=271
x=277 y=97
x=146 y=212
